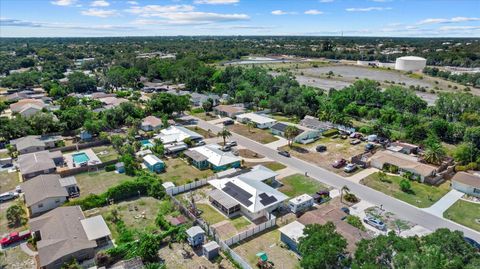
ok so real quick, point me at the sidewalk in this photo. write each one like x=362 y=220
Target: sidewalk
x=444 y=203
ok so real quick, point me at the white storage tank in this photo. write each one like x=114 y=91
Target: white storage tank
x=410 y=63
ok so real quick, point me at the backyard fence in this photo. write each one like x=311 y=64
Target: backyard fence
x=81 y=146
x=190 y=186
x=88 y=168
x=251 y=232
x=234 y=256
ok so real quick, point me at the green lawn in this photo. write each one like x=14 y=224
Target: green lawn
x=202 y=132
x=8 y=181
x=274 y=166
x=465 y=213
x=210 y=215
x=98 y=182
x=4 y=154
x=240 y=222
x=280 y=117
x=259 y=135
x=179 y=172
x=106 y=153
x=422 y=195
x=298 y=184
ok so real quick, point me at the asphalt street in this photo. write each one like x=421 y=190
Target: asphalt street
x=400 y=208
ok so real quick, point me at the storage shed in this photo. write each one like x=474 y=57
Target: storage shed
x=211 y=250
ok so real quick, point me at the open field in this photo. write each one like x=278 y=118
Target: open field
x=8 y=181
x=336 y=149
x=422 y=195
x=202 y=132
x=465 y=213
x=274 y=166
x=99 y=181
x=106 y=153
x=268 y=242
x=180 y=172
x=298 y=184
x=259 y=135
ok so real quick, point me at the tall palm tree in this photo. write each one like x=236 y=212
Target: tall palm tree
x=344 y=189
x=251 y=125
x=224 y=133
x=290 y=133
x=434 y=154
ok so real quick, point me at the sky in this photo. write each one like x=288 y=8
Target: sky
x=396 y=18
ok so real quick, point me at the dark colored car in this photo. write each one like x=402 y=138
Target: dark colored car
x=369 y=146
x=228 y=122
x=472 y=242
x=321 y=148
x=284 y=153
x=346 y=210
x=339 y=163
x=7 y=165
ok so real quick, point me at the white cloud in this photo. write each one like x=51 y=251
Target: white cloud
x=216 y=2
x=132 y=3
x=192 y=18
x=100 y=3
x=5 y=22
x=444 y=20
x=325 y=1
x=367 y=9
x=63 y=2
x=459 y=28
x=281 y=12
x=102 y=13
x=152 y=10
x=313 y=12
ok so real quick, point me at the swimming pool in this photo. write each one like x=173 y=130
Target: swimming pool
x=79 y=158
x=146 y=143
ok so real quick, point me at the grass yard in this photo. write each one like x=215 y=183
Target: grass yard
x=422 y=195
x=274 y=166
x=280 y=117
x=202 y=132
x=268 y=242
x=259 y=135
x=240 y=222
x=98 y=182
x=106 y=153
x=465 y=213
x=15 y=258
x=8 y=181
x=210 y=214
x=4 y=154
x=206 y=116
x=246 y=153
x=180 y=172
x=298 y=184
x=3 y=217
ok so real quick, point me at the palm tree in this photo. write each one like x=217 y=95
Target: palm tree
x=290 y=133
x=224 y=133
x=434 y=154
x=250 y=125
x=344 y=189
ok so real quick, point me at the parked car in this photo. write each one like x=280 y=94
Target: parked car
x=15 y=237
x=8 y=196
x=350 y=168
x=321 y=148
x=472 y=242
x=226 y=148
x=231 y=143
x=18 y=189
x=346 y=210
x=7 y=165
x=369 y=146
x=355 y=135
x=355 y=142
x=339 y=163
x=200 y=143
x=375 y=223
x=284 y=153
x=228 y=122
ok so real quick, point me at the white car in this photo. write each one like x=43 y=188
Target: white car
x=350 y=168
x=375 y=223
x=8 y=196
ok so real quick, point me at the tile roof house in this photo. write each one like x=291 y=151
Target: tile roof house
x=211 y=156
x=38 y=163
x=44 y=193
x=34 y=143
x=174 y=134
x=247 y=195
x=64 y=234
x=111 y=102
x=27 y=107
x=467 y=183
x=151 y=123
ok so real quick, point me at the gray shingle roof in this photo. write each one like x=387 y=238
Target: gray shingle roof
x=37 y=161
x=42 y=187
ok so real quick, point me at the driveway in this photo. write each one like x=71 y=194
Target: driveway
x=281 y=142
x=444 y=203
x=362 y=174
x=400 y=208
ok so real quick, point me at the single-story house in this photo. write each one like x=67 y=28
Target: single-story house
x=467 y=183
x=64 y=234
x=261 y=121
x=404 y=148
x=27 y=107
x=280 y=128
x=291 y=233
x=151 y=123
x=153 y=163
x=211 y=250
x=111 y=102
x=304 y=135
x=300 y=203
x=39 y=163
x=262 y=174
x=195 y=236
x=197 y=99
x=230 y=111
x=34 y=143
x=251 y=197
x=174 y=134
x=43 y=193
x=315 y=124
x=404 y=163
x=17 y=96
x=174 y=148
x=211 y=156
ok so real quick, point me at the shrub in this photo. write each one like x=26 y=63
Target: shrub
x=16 y=216
x=355 y=222
x=330 y=132
x=110 y=167
x=405 y=185
x=350 y=197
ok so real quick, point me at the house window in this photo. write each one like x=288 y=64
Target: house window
x=57 y=201
x=40 y=205
x=475 y=190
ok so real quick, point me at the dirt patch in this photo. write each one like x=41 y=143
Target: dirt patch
x=246 y=153
x=259 y=135
x=176 y=257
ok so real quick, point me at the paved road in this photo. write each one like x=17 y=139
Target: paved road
x=400 y=208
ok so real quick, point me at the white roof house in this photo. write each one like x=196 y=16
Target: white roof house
x=259 y=173
x=293 y=230
x=152 y=159
x=261 y=121
x=215 y=156
x=253 y=195
x=95 y=227
x=301 y=199
x=174 y=134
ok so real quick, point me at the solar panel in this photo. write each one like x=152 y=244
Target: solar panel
x=239 y=194
x=266 y=200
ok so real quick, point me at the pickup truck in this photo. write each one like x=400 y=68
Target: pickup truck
x=15 y=237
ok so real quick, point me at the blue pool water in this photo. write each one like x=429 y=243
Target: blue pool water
x=146 y=143
x=79 y=158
